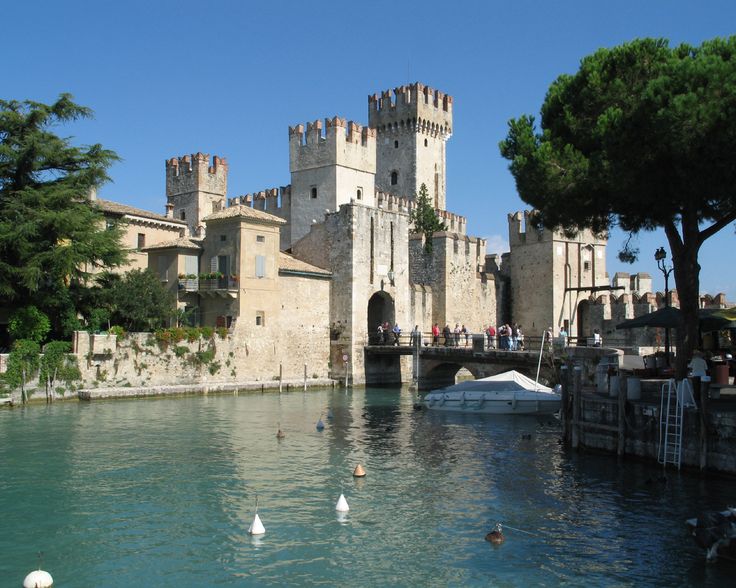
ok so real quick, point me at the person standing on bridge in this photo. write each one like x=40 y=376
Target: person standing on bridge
x=435 y=335
x=447 y=334
x=416 y=337
x=397 y=333
x=491 y=332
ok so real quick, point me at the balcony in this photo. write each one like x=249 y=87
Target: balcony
x=224 y=287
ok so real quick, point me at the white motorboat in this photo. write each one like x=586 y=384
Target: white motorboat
x=506 y=393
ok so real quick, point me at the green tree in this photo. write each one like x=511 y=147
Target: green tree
x=29 y=323
x=423 y=218
x=22 y=365
x=51 y=238
x=641 y=137
x=57 y=364
x=140 y=302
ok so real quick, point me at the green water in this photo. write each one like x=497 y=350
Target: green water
x=161 y=493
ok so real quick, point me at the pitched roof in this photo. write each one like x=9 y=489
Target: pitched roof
x=243 y=211
x=290 y=263
x=116 y=208
x=182 y=243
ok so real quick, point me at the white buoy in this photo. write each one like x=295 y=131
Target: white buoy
x=320 y=424
x=342 y=504
x=38 y=579
x=256 y=527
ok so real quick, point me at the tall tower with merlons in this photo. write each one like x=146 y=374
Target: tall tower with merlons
x=413 y=124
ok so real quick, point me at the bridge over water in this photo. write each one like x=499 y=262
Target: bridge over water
x=438 y=365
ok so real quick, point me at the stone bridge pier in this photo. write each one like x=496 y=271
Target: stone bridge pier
x=438 y=366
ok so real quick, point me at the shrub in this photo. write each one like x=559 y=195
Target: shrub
x=29 y=323
x=222 y=332
x=117 y=330
x=180 y=350
x=207 y=332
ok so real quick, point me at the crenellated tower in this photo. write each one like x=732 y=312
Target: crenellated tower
x=330 y=164
x=413 y=124
x=195 y=188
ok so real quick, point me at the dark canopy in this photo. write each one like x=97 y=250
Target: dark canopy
x=711 y=319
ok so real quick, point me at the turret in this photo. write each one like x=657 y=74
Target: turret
x=195 y=188
x=412 y=123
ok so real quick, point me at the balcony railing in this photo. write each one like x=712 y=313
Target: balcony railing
x=208 y=285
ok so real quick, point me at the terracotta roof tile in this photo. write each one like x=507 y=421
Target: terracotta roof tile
x=243 y=211
x=117 y=208
x=290 y=263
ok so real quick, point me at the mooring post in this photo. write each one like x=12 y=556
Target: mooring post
x=621 y=420
x=281 y=376
x=305 y=377
x=701 y=393
x=577 y=392
x=564 y=416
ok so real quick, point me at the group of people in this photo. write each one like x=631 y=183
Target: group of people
x=386 y=333
x=451 y=337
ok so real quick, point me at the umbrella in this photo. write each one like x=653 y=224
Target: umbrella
x=715 y=319
x=668 y=317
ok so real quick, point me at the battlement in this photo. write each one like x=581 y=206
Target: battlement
x=272 y=200
x=411 y=108
x=524 y=229
x=334 y=141
x=191 y=173
x=455 y=223
x=336 y=128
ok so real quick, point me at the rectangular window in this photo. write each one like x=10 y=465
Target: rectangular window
x=109 y=224
x=141 y=240
x=223 y=237
x=586 y=266
x=260 y=266
x=260 y=318
x=314 y=191
x=260 y=239
x=183 y=215
x=163 y=269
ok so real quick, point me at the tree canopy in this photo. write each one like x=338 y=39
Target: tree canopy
x=51 y=239
x=643 y=136
x=139 y=302
x=423 y=218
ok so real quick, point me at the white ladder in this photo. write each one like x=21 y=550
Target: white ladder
x=674 y=398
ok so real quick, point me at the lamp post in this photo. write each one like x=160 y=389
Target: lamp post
x=661 y=255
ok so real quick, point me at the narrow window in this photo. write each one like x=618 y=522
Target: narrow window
x=396 y=144
x=425 y=142
x=314 y=191
x=260 y=318
x=141 y=240
x=394 y=178
x=586 y=266
x=392 y=246
x=260 y=239
x=372 y=247
x=260 y=266
x=359 y=193
x=183 y=214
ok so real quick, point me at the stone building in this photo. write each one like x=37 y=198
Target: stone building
x=307 y=271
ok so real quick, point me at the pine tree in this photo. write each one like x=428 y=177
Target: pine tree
x=424 y=219
x=50 y=236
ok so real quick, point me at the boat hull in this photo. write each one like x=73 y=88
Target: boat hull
x=494 y=402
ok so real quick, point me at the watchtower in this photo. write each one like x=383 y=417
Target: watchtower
x=195 y=188
x=329 y=169
x=413 y=124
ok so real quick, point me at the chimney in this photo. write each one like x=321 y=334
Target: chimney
x=169 y=210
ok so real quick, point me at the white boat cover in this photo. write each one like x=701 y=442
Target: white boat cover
x=510 y=381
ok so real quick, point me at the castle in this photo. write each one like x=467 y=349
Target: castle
x=302 y=274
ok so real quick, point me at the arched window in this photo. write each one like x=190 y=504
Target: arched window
x=425 y=142
x=359 y=193
x=394 y=178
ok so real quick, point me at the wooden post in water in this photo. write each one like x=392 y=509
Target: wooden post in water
x=281 y=376
x=701 y=393
x=305 y=377
x=564 y=415
x=621 y=448
x=577 y=392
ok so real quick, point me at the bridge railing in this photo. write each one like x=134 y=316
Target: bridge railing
x=455 y=340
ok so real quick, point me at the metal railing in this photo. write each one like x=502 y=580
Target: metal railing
x=196 y=285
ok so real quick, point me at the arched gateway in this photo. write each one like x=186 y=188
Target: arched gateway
x=380 y=310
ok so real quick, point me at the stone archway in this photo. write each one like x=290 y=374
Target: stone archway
x=582 y=326
x=380 y=310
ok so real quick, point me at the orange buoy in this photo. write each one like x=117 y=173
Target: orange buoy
x=496 y=536
x=359 y=472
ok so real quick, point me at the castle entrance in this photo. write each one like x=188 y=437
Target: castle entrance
x=380 y=310
x=582 y=326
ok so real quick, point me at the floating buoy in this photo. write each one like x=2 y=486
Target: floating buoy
x=359 y=472
x=342 y=504
x=256 y=527
x=496 y=536
x=38 y=579
x=320 y=424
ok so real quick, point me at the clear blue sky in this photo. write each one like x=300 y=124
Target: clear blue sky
x=167 y=78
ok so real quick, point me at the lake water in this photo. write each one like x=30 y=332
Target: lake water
x=161 y=493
